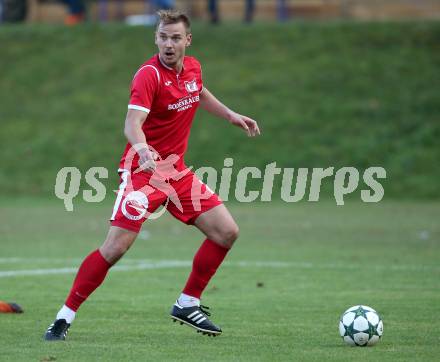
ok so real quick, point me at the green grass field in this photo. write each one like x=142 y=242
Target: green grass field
x=312 y=261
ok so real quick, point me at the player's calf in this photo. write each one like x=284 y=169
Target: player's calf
x=224 y=237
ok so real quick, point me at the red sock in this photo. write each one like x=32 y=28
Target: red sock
x=90 y=275
x=206 y=261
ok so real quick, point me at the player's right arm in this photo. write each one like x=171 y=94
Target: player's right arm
x=135 y=135
x=143 y=90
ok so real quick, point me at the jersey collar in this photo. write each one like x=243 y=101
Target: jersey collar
x=169 y=68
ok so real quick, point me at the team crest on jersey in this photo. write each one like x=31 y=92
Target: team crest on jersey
x=191 y=86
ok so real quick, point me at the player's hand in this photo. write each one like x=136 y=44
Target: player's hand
x=248 y=124
x=147 y=161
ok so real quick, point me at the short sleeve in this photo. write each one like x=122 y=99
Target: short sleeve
x=144 y=88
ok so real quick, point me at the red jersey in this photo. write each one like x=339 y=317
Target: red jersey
x=171 y=100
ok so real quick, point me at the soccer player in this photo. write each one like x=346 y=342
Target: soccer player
x=165 y=94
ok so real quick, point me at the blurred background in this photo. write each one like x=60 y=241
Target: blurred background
x=215 y=10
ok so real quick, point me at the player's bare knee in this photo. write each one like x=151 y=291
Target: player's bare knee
x=115 y=247
x=232 y=234
x=228 y=236
x=113 y=252
x=121 y=248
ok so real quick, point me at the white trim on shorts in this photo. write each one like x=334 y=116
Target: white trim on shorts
x=122 y=186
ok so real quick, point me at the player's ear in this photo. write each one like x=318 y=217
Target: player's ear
x=188 y=39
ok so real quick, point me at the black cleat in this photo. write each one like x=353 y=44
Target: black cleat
x=57 y=331
x=16 y=308
x=196 y=317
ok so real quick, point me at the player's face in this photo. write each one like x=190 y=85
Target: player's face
x=172 y=40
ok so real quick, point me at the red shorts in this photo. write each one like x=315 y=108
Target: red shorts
x=141 y=194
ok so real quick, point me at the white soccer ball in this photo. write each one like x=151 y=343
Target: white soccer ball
x=360 y=326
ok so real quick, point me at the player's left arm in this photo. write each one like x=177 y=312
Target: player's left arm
x=217 y=108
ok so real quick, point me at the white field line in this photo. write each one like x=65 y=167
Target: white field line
x=138 y=264
x=141 y=266
x=18 y=260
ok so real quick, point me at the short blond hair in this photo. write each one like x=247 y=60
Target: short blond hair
x=174 y=17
